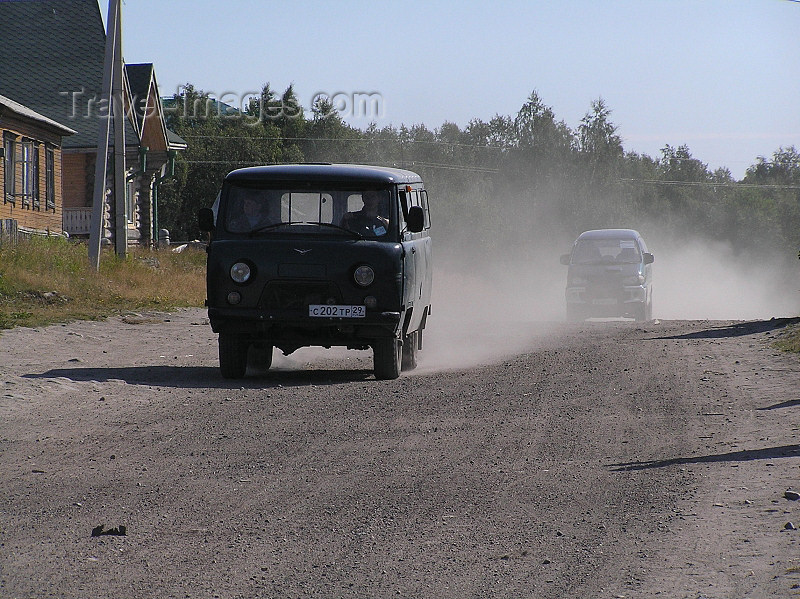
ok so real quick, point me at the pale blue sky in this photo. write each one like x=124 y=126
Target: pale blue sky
x=721 y=76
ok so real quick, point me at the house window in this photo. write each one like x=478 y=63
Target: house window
x=50 y=179
x=130 y=200
x=36 y=204
x=26 y=162
x=9 y=145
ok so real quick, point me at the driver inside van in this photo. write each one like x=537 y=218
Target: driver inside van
x=367 y=221
x=253 y=213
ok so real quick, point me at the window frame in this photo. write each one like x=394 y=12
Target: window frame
x=10 y=165
x=37 y=205
x=50 y=178
x=26 y=161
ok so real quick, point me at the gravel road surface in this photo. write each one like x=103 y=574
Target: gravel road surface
x=607 y=459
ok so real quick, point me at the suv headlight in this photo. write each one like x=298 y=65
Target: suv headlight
x=578 y=281
x=364 y=275
x=634 y=280
x=240 y=272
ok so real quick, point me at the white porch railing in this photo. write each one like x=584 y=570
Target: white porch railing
x=77 y=221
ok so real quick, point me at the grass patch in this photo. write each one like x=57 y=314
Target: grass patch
x=790 y=340
x=46 y=280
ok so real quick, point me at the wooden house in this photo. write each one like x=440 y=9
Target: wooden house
x=56 y=69
x=30 y=169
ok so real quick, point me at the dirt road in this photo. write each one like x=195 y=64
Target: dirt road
x=607 y=459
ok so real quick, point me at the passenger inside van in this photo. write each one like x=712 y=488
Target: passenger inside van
x=367 y=221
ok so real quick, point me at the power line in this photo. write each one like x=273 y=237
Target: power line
x=447 y=143
x=486 y=170
x=409 y=164
x=732 y=185
x=347 y=139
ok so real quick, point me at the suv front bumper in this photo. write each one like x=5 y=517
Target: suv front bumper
x=605 y=301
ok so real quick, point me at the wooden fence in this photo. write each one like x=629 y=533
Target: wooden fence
x=9 y=232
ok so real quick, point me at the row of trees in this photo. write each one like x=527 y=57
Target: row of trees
x=522 y=177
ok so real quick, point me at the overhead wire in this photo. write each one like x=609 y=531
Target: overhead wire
x=481 y=169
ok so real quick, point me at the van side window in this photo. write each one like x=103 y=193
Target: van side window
x=424 y=197
x=409 y=199
x=402 y=197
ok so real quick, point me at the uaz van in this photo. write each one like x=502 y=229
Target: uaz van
x=610 y=274
x=319 y=255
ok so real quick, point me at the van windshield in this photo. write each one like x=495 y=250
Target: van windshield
x=606 y=251
x=358 y=212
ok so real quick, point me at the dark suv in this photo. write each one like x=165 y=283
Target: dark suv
x=610 y=274
x=319 y=255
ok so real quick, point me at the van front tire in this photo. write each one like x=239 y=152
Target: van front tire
x=410 y=351
x=387 y=358
x=259 y=356
x=232 y=356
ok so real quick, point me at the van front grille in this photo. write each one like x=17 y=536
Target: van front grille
x=298 y=295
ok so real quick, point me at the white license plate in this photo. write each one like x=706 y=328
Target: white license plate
x=329 y=311
x=606 y=301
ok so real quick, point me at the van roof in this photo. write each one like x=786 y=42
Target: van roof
x=610 y=234
x=332 y=173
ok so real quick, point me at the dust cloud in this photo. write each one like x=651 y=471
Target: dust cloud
x=701 y=280
x=487 y=310
x=488 y=307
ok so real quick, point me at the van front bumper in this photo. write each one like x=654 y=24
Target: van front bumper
x=277 y=326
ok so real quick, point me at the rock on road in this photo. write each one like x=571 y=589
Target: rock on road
x=608 y=459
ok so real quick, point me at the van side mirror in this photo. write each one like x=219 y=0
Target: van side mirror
x=564 y=259
x=416 y=219
x=648 y=258
x=205 y=219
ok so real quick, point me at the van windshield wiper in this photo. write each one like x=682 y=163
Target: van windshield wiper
x=269 y=227
x=354 y=233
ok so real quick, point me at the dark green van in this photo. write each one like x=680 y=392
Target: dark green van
x=319 y=255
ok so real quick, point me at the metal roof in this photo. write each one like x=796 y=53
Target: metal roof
x=340 y=173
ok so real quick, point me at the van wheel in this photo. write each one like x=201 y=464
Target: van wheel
x=387 y=357
x=232 y=356
x=259 y=356
x=410 y=351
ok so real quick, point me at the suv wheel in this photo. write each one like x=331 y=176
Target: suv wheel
x=232 y=356
x=641 y=313
x=387 y=357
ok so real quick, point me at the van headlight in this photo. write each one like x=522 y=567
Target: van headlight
x=364 y=275
x=240 y=272
x=634 y=280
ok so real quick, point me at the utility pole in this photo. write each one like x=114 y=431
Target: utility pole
x=120 y=187
x=113 y=92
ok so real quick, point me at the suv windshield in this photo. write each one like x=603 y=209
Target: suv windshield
x=606 y=251
x=360 y=213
